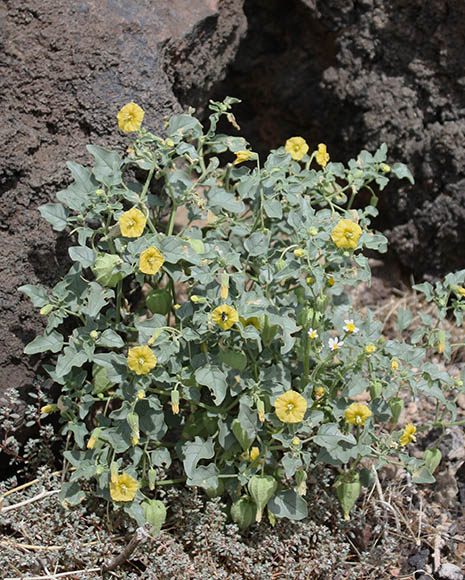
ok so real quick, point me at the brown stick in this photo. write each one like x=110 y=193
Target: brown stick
x=139 y=536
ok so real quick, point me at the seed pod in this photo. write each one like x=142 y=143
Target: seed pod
x=432 y=458
x=103 y=270
x=159 y=301
x=268 y=331
x=305 y=317
x=152 y=478
x=243 y=512
x=396 y=405
x=155 y=514
x=375 y=389
x=262 y=488
x=301 y=482
x=241 y=434
x=347 y=493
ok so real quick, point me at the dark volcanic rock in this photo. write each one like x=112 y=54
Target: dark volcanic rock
x=67 y=67
x=354 y=74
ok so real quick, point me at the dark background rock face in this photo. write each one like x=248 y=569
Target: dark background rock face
x=354 y=74
x=67 y=67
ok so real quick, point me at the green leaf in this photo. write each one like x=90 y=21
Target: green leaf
x=273 y=208
x=71 y=494
x=194 y=451
x=69 y=359
x=241 y=434
x=204 y=476
x=221 y=199
x=82 y=254
x=180 y=125
x=401 y=171
x=110 y=339
x=107 y=165
x=96 y=297
x=257 y=244
x=37 y=294
x=213 y=378
x=339 y=446
x=55 y=214
x=233 y=358
x=423 y=475
x=52 y=342
x=288 y=504
x=404 y=319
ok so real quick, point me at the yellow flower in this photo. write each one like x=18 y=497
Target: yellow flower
x=299 y=252
x=176 y=306
x=151 y=260
x=254 y=454
x=242 y=156
x=141 y=360
x=408 y=434
x=130 y=118
x=169 y=142
x=331 y=281
x=370 y=348
x=123 y=487
x=132 y=223
x=460 y=290
x=322 y=157
x=318 y=391
x=395 y=364
x=47 y=409
x=135 y=440
x=224 y=292
x=357 y=413
x=385 y=168
x=346 y=234
x=290 y=407
x=141 y=395
x=225 y=316
x=295 y=442
x=296 y=147
x=91 y=443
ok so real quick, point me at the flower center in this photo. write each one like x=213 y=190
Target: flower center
x=123 y=487
x=131 y=223
x=141 y=360
x=358 y=419
x=224 y=316
x=290 y=406
x=349 y=235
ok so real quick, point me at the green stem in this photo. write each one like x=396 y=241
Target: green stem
x=170 y=228
x=147 y=181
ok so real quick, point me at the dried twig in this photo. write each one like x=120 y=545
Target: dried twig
x=139 y=536
x=30 y=500
x=53 y=576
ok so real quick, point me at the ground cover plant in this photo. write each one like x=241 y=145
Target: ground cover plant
x=226 y=354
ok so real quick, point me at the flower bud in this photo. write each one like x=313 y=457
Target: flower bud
x=299 y=252
x=93 y=334
x=47 y=409
x=47 y=309
x=396 y=406
x=175 y=402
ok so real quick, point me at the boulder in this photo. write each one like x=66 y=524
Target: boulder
x=67 y=67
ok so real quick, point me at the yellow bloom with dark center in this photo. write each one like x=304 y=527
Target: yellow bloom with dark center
x=132 y=223
x=123 y=487
x=130 y=118
x=151 y=260
x=346 y=234
x=322 y=156
x=242 y=156
x=296 y=147
x=141 y=360
x=408 y=435
x=357 y=413
x=225 y=316
x=290 y=407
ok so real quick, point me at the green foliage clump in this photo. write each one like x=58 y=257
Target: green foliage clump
x=225 y=353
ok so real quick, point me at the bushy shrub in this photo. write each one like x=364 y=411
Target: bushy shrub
x=225 y=353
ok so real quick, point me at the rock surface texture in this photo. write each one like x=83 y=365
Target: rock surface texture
x=67 y=67
x=354 y=74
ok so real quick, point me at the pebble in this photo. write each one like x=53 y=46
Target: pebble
x=448 y=571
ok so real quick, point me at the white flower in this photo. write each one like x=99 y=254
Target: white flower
x=350 y=326
x=335 y=343
x=312 y=333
